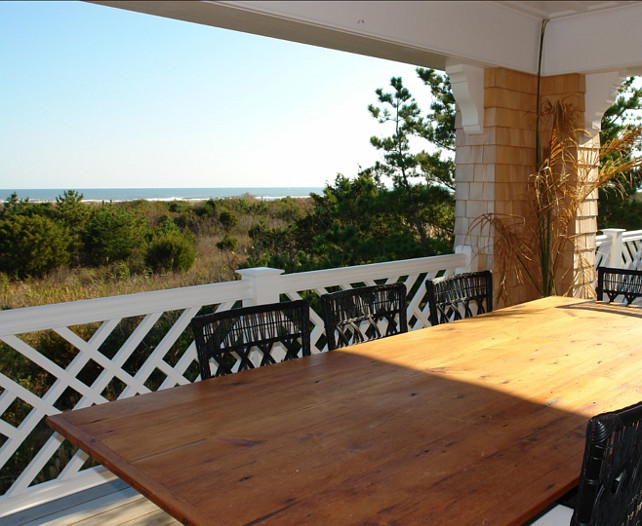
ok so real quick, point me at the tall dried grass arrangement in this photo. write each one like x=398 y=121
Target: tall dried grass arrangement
x=533 y=246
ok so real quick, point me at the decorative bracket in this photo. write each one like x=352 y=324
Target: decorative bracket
x=468 y=88
x=601 y=90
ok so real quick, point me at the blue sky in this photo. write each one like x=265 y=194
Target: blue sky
x=94 y=97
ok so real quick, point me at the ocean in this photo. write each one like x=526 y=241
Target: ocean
x=160 y=194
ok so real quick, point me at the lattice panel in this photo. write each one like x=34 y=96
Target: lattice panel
x=632 y=254
x=75 y=367
x=602 y=256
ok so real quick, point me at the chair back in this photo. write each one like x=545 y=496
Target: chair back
x=252 y=336
x=610 y=486
x=459 y=296
x=613 y=282
x=364 y=313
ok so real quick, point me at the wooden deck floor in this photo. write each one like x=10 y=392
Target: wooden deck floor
x=111 y=504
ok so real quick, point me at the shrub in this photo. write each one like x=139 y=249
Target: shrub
x=114 y=234
x=71 y=212
x=171 y=251
x=31 y=245
x=227 y=243
x=206 y=208
x=228 y=220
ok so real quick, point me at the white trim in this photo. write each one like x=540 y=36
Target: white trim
x=55 y=489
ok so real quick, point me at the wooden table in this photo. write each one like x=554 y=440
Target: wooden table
x=478 y=421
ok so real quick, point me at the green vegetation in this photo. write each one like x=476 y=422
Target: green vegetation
x=354 y=222
x=621 y=207
x=402 y=164
x=32 y=245
x=70 y=250
x=171 y=251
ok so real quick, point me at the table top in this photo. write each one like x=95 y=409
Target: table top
x=479 y=421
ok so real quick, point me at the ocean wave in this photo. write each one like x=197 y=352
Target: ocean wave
x=115 y=195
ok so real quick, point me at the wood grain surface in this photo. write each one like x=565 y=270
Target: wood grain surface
x=479 y=421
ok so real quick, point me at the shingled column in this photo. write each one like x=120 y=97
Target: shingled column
x=494 y=161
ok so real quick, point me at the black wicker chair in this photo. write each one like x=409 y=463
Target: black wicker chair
x=249 y=333
x=364 y=313
x=610 y=486
x=460 y=296
x=613 y=282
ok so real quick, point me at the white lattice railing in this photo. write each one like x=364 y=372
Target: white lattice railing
x=619 y=248
x=60 y=357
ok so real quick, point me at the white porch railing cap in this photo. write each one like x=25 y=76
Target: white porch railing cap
x=259 y=271
x=27 y=319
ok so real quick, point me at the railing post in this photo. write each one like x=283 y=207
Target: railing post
x=468 y=251
x=265 y=284
x=616 y=247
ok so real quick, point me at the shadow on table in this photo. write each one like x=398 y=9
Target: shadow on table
x=343 y=438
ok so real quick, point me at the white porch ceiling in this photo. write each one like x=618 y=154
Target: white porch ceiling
x=560 y=8
x=581 y=36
